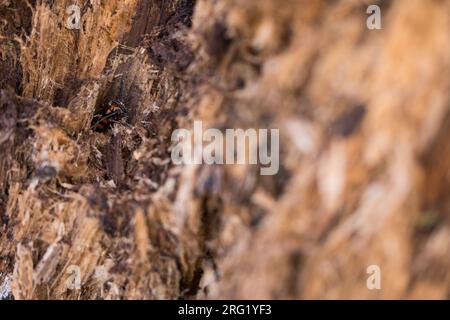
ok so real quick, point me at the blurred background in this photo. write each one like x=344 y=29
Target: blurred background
x=359 y=208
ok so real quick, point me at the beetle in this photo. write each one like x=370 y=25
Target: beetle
x=115 y=111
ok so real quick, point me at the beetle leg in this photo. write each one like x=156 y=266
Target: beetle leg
x=106 y=117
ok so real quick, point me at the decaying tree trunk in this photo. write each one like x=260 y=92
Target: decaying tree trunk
x=364 y=174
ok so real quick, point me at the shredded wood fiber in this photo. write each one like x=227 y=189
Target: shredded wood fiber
x=364 y=120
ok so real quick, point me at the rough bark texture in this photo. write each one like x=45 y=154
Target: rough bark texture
x=364 y=173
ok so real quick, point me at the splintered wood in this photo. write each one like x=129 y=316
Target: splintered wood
x=362 y=185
